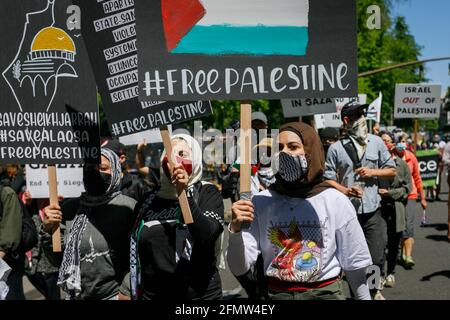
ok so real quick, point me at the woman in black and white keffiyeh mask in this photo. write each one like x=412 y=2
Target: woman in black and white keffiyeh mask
x=91 y=245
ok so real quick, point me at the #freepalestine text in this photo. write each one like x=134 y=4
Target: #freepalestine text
x=294 y=77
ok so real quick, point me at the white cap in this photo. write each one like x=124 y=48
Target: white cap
x=259 y=116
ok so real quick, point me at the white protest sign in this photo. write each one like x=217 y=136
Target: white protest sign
x=333 y=120
x=306 y=107
x=374 y=109
x=70 y=180
x=319 y=119
x=150 y=136
x=414 y=101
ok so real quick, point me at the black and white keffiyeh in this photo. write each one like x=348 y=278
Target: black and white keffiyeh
x=69 y=278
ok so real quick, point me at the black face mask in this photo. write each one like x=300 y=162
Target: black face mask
x=291 y=168
x=96 y=183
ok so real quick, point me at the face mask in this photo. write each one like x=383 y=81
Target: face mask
x=291 y=168
x=187 y=165
x=96 y=183
x=401 y=146
x=359 y=130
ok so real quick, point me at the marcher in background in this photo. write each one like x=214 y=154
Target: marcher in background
x=14 y=178
x=10 y=241
x=412 y=208
x=394 y=198
x=441 y=169
x=328 y=136
x=42 y=274
x=95 y=232
x=446 y=160
x=354 y=166
x=144 y=170
x=169 y=259
x=306 y=231
x=376 y=129
x=132 y=185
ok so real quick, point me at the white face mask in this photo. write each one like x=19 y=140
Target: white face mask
x=359 y=130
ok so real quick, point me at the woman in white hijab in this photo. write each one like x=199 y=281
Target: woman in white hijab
x=170 y=259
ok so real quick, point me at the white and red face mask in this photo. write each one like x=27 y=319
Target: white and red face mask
x=187 y=165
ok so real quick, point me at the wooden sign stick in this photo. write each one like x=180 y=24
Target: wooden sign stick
x=245 y=151
x=53 y=190
x=182 y=197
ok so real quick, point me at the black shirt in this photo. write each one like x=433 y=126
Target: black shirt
x=179 y=261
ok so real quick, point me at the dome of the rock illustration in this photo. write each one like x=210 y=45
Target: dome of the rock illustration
x=53 y=43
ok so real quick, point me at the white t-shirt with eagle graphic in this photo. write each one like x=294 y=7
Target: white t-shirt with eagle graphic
x=301 y=240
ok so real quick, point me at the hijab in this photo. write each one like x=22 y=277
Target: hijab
x=166 y=191
x=313 y=182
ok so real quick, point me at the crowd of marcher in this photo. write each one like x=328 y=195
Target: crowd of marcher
x=324 y=208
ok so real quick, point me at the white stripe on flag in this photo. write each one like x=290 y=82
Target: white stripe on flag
x=256 y=12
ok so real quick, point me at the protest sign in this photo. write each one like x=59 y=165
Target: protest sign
x=109 y=30
x=150 y=136
x=417 y=101
x=374 y=109
x=70 y=180
x=334 y=119
x=306 y=107
x=49 y=110
x=428 y=166
x=246 y=49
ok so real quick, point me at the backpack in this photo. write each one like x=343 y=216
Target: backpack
x=29 y=238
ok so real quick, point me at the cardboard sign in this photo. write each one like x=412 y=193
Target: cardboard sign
x=307 y=107
x=70 y=180
x=109 y=29
x=49 y=110
x=417 y=101
x=246 y=49
x=428 y=166
x=334 y=119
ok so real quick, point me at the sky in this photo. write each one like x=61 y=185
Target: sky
x=429 y=22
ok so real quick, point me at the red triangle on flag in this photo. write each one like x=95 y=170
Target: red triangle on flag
x=179 y=16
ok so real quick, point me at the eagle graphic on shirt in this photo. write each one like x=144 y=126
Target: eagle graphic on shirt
x=299 y=248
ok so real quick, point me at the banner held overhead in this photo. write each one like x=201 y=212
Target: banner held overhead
x=246 y=49
x=49 y=110
x=109 y=29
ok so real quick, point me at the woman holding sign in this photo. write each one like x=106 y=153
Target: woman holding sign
x=169 y=259
x=96 y=228
x=306 y=230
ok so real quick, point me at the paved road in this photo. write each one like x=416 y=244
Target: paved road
x=428 y=280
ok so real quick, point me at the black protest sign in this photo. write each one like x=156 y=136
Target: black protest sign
x=49 y=110
x=246 y=49
x=428 y=166
x=109 y=30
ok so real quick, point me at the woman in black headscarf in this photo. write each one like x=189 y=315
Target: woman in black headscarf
x=95 y=229
x=306 y=231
